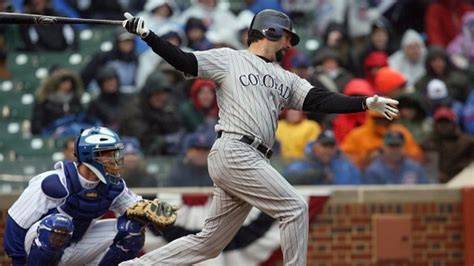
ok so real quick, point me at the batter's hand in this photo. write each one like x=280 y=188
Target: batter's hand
x=385 y=106
x=135 y=25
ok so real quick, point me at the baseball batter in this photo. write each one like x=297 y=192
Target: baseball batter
x=253 y=89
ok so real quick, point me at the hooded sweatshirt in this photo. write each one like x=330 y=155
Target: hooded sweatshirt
x=361 y=142
x=400 y=62
x=463 y=44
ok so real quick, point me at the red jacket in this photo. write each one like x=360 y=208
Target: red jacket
x=443 y=20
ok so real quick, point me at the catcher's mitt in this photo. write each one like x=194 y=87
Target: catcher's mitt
x=156 y=212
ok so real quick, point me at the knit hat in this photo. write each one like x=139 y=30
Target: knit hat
x=388 y=79
x=359 y=87
x=436 y=90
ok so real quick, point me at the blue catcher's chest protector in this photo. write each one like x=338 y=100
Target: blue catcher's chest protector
x=83 y=204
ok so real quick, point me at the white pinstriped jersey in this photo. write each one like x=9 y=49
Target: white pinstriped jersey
x=33 y=203
x=252 y=92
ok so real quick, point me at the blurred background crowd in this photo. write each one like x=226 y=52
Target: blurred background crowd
x=57 y=79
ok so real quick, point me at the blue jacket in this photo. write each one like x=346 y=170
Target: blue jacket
x=311 y=171
x=408 y=172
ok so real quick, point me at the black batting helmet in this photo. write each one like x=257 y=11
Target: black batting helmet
x=272 y=23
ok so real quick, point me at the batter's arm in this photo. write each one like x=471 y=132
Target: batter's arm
x=182 y=61
x=323 y=100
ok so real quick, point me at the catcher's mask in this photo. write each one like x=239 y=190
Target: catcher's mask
x=272 y=23
x=101 y=150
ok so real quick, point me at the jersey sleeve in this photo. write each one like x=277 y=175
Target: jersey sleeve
x=125 y=199
x=300 y=89
x=213 y=64
x=33 y=203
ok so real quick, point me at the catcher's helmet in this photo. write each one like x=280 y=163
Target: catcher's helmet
x=272 y=23
x=89 y=147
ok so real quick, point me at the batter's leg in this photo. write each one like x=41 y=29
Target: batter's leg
x=225 y=219
x=243 y=172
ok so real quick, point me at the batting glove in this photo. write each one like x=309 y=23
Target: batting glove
x=135 y=25
x=385 y=106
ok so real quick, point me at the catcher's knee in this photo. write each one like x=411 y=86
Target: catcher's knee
x=54 y=235
x=131 y=234
x=127 y=243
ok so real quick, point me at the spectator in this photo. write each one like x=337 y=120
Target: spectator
x=414 y=116
x=437 y=95
x=363 y=143
x=335 y=37
x=329 y=70
x=410 y=59
x=57 y=96
x=256 y=6
x=372 y=63
x=439 y=66
x=159 y=13
x=454 y=149
x=360 y=17
x=443 y=20
x=468 y=114
x=109 y=106
x=216 y=17
x=201 y=108
x=160 y=16
x=300 y=65
x=134 y=168
x=181 y=85
x=325 y=13
x=5 y=73
x=344 y=123
x=393 y=167
x=191 y=170
x=380 y=39
x=324 y=164
x=195 y=31
x=294 y=132
x=389 y=82
x=122 y=58
x=69 y=149
x=148 y=62
x=152 y=119
x=53 y=37
x=461 y=49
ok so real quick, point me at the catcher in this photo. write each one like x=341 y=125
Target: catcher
x=55 y=220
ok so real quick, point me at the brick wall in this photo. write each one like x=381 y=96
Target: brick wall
x=342 y=233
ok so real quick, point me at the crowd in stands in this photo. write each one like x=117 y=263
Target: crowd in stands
x=419 y=52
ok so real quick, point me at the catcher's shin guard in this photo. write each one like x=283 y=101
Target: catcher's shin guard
x=54 y=235
x=127 y=243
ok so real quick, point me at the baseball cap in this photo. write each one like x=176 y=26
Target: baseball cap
x=300 y=60
x=436 y=90
x=393 y=138
x=445 y=113
x=326 y=137
x=200 y=140
x=131 y=145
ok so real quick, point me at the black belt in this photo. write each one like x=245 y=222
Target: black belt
x=249 y=140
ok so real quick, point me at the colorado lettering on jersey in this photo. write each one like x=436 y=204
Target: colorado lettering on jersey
x=265 y=81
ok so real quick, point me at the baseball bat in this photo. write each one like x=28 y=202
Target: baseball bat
x=19 y=18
